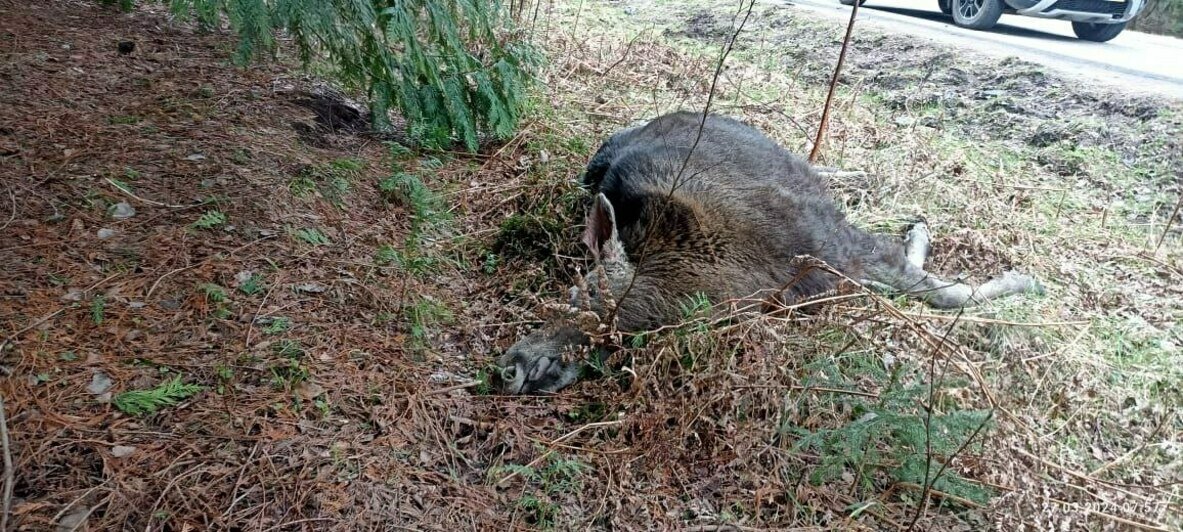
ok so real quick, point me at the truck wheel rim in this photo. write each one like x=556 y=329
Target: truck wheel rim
x=970 y=8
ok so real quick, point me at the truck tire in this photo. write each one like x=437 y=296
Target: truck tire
x=851 y=2
x=977 y=14
x=1091 y=31
x=946 y=6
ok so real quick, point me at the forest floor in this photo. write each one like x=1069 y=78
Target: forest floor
x=215 y=314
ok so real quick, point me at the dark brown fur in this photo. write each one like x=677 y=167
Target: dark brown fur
x=717 y=208
x=730 y=225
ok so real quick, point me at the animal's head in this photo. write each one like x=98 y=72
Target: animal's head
x=535 y=363
x=613 y=273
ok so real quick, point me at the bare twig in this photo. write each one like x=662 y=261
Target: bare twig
x=483 y=425
x=216 y=256
x=453 y=388
x=9 y=476
x=821 y=128
x=145 y=200
x=928 y=408
x=251 y=326
x=288 y=524
x=559 y=440
x=29 y=327
x=937 y=493
x=989 y=321
x=242 y=470
x=1170 y=221
x=85 y=516
x=12 y=216
x=720 y=528
x=726 y=51
x=1085 y=477
x=628 y=48
x=1109 y=465
x=928 y=490
x=839 y=391
x=85 y=495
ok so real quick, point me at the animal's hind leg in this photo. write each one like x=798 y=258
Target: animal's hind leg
x=939 y=293
x=906 y=275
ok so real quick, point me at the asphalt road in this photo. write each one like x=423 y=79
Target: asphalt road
x=1134 y=62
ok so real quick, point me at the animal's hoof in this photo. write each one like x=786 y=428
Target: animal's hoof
x=1023 y=282
x=918 y=233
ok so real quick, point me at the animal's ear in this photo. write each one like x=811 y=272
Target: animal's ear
x=601 y=235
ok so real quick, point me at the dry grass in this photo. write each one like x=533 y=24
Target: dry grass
x=359 y=409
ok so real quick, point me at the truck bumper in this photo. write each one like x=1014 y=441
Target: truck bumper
x=1099 y=11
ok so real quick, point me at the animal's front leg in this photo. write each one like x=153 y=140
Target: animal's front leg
x=917 y=244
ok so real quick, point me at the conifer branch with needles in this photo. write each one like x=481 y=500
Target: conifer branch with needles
x=454 y=69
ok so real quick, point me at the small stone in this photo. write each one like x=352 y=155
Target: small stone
x=105 y=233
x=309 y=390
x=75 y=520
x=122 y=451
x=122 y=211
x=242 y=277
x=99 y=383
x=904 y=121
x=136 y=304
x=73 y=294
x=170 y=304
x=195 y=157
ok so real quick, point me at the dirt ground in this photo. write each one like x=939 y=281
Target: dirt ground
x=171 y=221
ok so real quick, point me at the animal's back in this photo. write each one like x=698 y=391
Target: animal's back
x=725 y=220
x=729 y=157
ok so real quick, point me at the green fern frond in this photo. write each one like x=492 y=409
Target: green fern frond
x=141 y=402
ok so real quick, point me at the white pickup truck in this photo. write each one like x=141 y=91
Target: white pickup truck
x=1092 y=20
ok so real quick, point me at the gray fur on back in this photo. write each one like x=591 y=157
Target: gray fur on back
x=728 y=224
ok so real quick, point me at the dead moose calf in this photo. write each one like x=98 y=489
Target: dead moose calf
x=723 y=215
